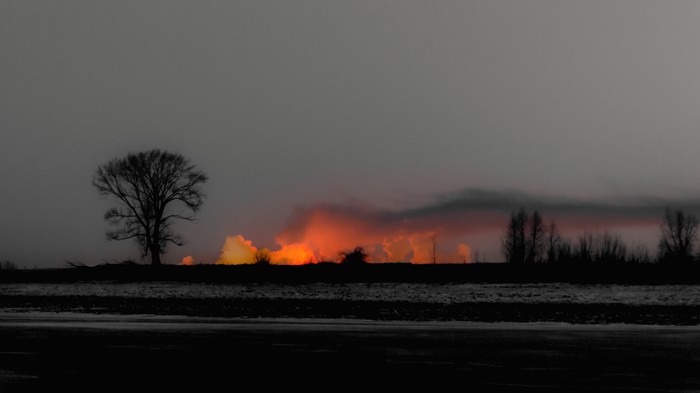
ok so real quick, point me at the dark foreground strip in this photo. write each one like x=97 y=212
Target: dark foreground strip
x=375 y=310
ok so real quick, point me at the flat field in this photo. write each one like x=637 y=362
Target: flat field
x=519 y=337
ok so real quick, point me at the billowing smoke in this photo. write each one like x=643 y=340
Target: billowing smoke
x=436 y=232
x=293 y=254
x=465 y=252
x=237 y=250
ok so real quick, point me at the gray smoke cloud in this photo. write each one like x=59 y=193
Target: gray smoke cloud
x=473 y=210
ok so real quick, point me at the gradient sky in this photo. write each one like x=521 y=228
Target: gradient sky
x=291 y=103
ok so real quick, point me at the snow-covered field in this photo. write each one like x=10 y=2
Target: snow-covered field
x=431 y=293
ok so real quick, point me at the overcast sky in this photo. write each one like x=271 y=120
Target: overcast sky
x=293 y=103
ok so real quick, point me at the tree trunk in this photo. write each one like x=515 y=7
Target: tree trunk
x=155 y=257
x=155 y=243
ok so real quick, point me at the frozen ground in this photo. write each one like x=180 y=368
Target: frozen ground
x=85 y=352
x=644 y=295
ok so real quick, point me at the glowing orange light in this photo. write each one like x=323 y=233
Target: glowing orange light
x=293 y=254
x=237 y=250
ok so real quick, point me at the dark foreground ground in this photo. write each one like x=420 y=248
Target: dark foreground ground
x=107 y=343
x=587 y=313
x=88 y=352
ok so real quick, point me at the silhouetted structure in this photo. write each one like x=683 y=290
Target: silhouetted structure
x=147 y=186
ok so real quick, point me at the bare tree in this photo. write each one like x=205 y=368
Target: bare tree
x=523 y=241
x=514 y=246
x=678 y=236
x=639 y=253
x=586 y=248
x=153 y=189
x=554 y=244
x=8 y=265
x=611 y=248
x=535 y=240
x=604 y=247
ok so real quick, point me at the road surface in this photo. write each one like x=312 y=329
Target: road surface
x=89 y=352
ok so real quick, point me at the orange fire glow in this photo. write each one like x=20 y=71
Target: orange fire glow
x=293 y=254
x=433 y=233
x=237 y=250
x=321 y=234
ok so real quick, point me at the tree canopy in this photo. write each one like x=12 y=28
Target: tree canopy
x=153 y=189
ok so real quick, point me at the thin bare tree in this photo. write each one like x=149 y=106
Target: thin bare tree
x=611 y=248
x=524 y=239
x=153 y=189
x=514 y=240
x=554 y=243
x=679 y=232
x=535 y=240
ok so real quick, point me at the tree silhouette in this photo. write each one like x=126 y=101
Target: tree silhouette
x=678 y=236
x=357 y=256
x=8 y=265
x=535 y=240
x=611 y=248
x=514 y=247
x=557 y=248
x=263 y=257
x=606 y=247
x=524 y=239
x=149 y=187
x=586 y=248
x=639 y=253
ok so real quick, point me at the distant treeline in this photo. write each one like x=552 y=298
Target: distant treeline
x=528 y=240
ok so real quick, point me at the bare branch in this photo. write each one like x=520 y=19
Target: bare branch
x=145 y=184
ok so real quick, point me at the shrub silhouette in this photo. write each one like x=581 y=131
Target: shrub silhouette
x=357 y=256
x=262 y=257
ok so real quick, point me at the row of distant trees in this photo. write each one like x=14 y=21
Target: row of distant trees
x=528 y=239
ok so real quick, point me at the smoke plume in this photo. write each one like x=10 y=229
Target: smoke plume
x=438 y=231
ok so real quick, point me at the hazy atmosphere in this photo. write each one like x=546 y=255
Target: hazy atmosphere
x=396 y=120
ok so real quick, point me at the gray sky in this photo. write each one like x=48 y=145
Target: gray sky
x=290 y=103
